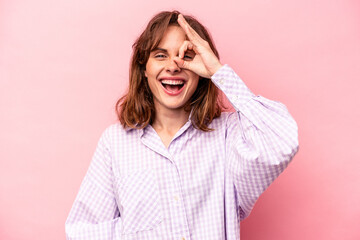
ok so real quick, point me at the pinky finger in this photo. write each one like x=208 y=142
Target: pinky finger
x=190 y=32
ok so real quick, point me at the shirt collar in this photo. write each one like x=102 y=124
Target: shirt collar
x=188 y=124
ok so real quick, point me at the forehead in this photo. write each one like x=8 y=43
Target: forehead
x=173 y=36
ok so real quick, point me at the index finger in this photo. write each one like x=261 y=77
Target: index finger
x=190 y=32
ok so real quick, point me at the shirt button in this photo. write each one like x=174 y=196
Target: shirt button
x=176 y=198
x=221 y=81
x=182 y=238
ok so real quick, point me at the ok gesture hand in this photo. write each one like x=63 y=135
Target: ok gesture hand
x=205 y=63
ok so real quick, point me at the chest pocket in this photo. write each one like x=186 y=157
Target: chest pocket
x=139 y=201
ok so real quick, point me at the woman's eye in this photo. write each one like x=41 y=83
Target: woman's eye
x=188 y=57
x=160 y=56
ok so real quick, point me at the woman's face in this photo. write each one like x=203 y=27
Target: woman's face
x=171 y=86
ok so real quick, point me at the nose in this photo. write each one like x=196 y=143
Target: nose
x=172 y=67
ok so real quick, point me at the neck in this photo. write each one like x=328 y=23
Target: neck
x=170 y=121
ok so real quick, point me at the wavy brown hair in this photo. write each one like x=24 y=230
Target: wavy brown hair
x=136 y=108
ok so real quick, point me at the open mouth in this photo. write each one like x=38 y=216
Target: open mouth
x=172 y=86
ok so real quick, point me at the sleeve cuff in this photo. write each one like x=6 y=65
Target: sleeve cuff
x=232 y=86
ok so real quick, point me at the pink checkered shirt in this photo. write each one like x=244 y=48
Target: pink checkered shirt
x=198 y=188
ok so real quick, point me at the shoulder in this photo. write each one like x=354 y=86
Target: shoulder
x=116 y=132
x=223 y=119
x=115 y=128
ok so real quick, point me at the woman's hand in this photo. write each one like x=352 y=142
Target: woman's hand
x=205 y=63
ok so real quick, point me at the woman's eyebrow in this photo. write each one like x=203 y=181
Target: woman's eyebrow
x=159 y=49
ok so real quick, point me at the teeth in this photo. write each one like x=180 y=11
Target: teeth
x=172 y=82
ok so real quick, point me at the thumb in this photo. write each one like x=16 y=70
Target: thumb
x=182 y=63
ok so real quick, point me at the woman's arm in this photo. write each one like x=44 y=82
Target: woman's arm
x=94 y=214
x=261 y=140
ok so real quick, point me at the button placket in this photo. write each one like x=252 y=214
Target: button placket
x=179 y=222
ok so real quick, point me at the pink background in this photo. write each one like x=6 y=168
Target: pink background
x=63 y=64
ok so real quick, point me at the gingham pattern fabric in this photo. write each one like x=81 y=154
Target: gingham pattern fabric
x=198 y=188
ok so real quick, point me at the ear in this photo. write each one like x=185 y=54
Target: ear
x=145 y=73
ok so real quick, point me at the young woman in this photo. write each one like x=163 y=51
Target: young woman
x=176 y=167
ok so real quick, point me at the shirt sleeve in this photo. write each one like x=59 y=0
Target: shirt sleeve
x=94 y=214
x=261 y=139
